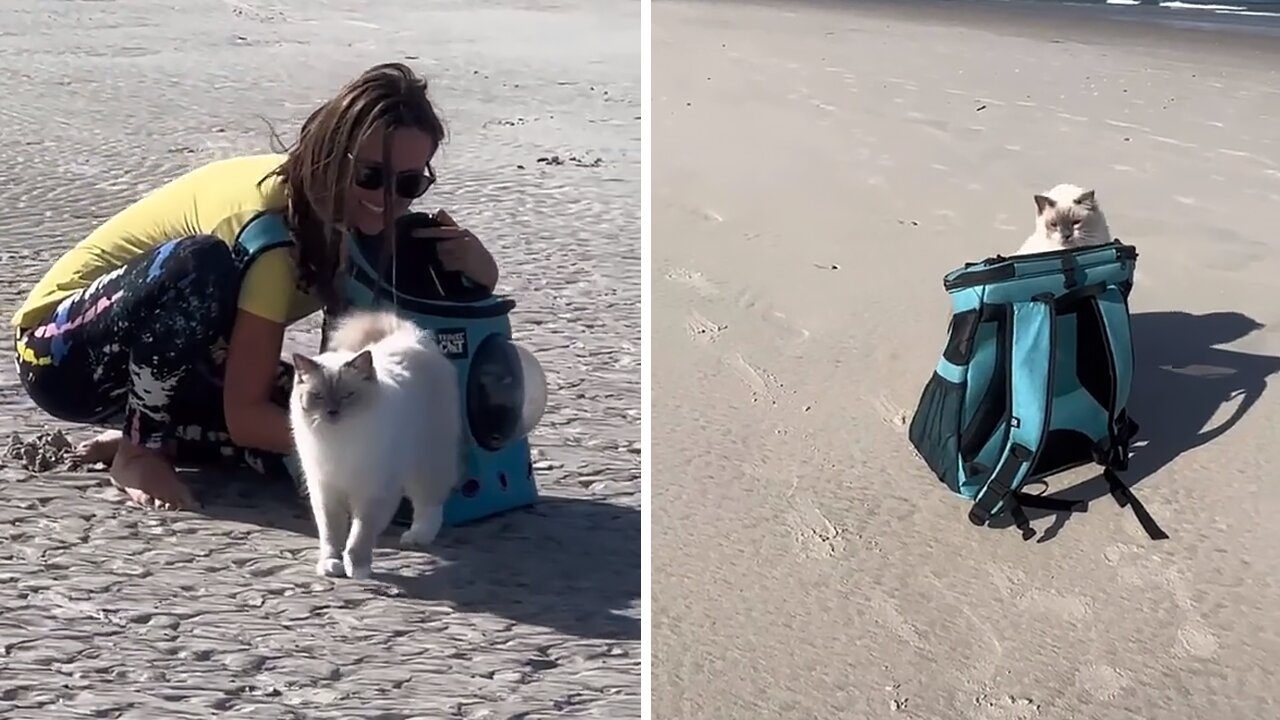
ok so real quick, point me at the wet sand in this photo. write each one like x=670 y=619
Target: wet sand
x=112 y=610
x=817 y=169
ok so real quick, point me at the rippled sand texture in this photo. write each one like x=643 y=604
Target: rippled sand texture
x=109 y=611
x=816 y=172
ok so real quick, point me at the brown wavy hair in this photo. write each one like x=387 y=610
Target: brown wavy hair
x=317 y=169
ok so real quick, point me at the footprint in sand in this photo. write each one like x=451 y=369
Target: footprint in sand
x=702 y=329
x=752 y=303
x=1037 y=601
x=1193 y=638
x=892 y=415
x=1101 y=682
x=1004 y=707
x=891 y=614
x=1114 y=554
x=763 y=384
x=692 y=279
x=254 y=12
x=1073 y=608
x=1196 y=640
x=816 y=537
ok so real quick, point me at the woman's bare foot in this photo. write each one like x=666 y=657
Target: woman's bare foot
x=102 y=449
x=148 y=478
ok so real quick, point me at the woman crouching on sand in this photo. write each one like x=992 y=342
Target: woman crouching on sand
x=162 y=324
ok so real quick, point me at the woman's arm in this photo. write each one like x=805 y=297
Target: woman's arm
x=253 y=360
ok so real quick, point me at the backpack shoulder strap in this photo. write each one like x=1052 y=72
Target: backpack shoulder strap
x=1030 y=384
x=1113 y=315
x=265 y=231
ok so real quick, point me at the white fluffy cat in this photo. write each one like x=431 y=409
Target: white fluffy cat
x=375 y=419
x=1067 y=216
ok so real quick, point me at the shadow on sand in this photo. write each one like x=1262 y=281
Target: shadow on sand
x=1181 y=380
x=568 y=564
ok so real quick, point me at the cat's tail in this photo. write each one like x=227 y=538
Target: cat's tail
x=359 y=329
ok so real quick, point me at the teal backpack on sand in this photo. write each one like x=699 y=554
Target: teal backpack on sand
x=1034 y=380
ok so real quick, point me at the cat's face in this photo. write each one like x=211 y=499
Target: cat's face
x=1073 y=222
x=330 y=394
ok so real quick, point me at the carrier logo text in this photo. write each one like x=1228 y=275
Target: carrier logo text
x=452 y=342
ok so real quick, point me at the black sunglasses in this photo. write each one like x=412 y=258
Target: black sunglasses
x=409 y=184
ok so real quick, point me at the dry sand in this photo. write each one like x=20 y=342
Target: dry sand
x=110 y=611
x=817 y=169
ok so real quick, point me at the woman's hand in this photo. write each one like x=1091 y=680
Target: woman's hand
x=461 y=251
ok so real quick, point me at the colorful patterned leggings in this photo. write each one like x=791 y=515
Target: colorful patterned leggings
x=143 y=348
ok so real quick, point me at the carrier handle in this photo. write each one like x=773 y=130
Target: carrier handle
x=1031 y=395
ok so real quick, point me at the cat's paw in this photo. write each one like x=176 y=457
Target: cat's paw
x=418 y=537
x=357 y=572
x=330 y=567
x=426 y=525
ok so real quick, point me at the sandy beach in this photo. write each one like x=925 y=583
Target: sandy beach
x=817 y=169
x=114 y=612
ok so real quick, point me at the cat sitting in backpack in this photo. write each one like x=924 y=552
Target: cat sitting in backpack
x=1066 y=217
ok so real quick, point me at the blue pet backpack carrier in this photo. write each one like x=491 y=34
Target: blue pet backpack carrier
x=1034 y=380
x=503 y=389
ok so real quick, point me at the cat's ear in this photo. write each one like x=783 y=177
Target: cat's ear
x=361 y=365
x=305 y=366
x=1043 y=202
x=1086 y=198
